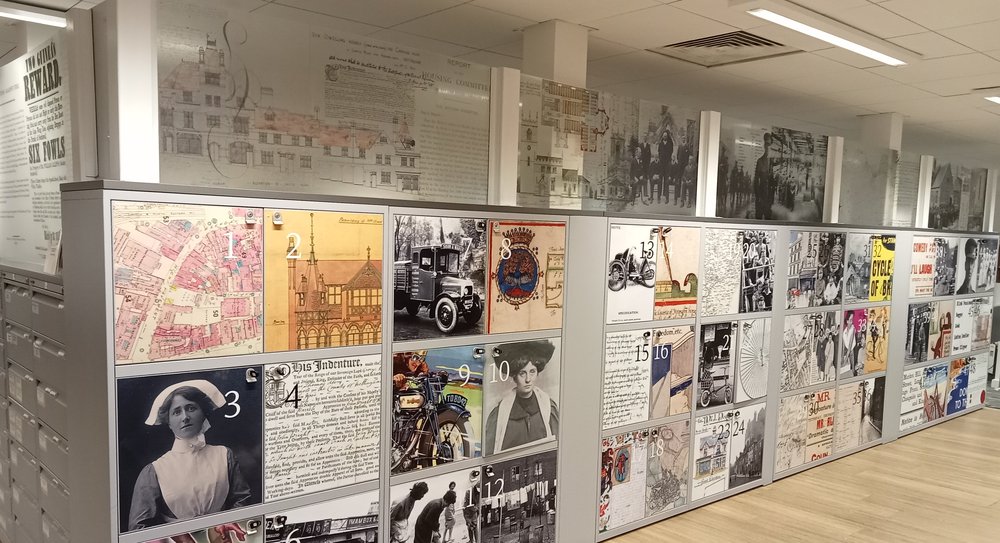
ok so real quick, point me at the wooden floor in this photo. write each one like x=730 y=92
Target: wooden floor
x=941 y=484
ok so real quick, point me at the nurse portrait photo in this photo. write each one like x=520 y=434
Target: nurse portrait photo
x=190 y=445
x=522 y=395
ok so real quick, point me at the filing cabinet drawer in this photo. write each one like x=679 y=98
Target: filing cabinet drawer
x=52 y=408
x=27 y=513
x=4 y=412
x=21 y=386
x=24 y=471
x=6 y=527
x=53 y=452
x=48 y=316
x=19 y=344
x=4 y=474
x=17 y=303
x=3 y=373
x=53 y=496
x=50 y=363
x=23 y=428
x=52 y=532
x=5 y=445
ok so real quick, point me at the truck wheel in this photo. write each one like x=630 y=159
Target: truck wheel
x=412 y=307
x=446 y=314
x=475 y=312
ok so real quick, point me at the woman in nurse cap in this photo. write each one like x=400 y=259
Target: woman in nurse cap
x=192 y=478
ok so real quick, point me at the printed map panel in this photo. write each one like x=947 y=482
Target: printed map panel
x=188 y=281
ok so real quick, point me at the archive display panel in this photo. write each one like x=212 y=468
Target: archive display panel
x=249 y=344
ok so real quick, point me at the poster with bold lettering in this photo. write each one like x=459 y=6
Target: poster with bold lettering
x=321 y=427
x=757 y=284
x=819 y=434
x=526 y=275
x=754 y=359
x=985 y=268
x=715 y=364
x=627 y=364
x=883 y=260
x=352 y=518
x=631 y=272
x=451 y=379
x=746 y=446
x=524 y=487
x=923 y=257
x=711 y=465
x=858 y=268
x=623 y=480
x=961 y=337
x=945 y=260
x=958 y=386
x=721 y=287
x=324 y=279
x=668 y=466
x=790 y=450
x=672 y=373
x=877 y=340
x=912 y=402
x=678 y=255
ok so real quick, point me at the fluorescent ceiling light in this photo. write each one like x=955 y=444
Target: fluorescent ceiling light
x=20 y=12
x=797 y=26
x=994 y=99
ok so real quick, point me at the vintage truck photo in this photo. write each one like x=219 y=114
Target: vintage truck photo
x=431 y=279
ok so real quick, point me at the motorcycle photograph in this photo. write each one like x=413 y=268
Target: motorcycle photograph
x=625 y=268
x=430 y=425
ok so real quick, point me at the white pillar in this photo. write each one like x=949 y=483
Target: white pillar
x=125 y=36
x=556 y=50
x=834 y=165
x=924 y=191
x=505 y=118
x=883 y=130
x=708 y=163
x=990 y=217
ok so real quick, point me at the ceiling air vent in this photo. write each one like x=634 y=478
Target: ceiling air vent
x=725 y=49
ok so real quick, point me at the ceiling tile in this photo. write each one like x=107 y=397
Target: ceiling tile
x=636 y=66
x=513 y=48
x=598 y=48
x=785 y=67
x=58 y=5
x=940 y=68
x=846 y=57
x=938 y=14
x=960 y=85
x=422 y=43
x=719 y=10
x=830 y=7
x=657 y=26
x=573 y=11
x=876 y=20
x=879 y=95
x=981 y=36
x=313 y=20
x=492 y=59
x=825 y=83
x=468 y=25
x=384 y=13
x=931 y=45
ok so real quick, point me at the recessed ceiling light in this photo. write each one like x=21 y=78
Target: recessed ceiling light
x=832 y=39
x=41 y=16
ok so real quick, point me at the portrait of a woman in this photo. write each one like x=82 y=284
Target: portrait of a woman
x=526 y=413
x=192 y=478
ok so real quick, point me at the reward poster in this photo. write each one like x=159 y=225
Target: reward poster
x=526 y=275
x=883 y=257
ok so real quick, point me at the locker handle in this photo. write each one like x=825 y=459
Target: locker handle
x=51 y=392
x=29 y=377
x=37 y=342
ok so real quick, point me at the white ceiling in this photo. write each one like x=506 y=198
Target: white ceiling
x=822 y=88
